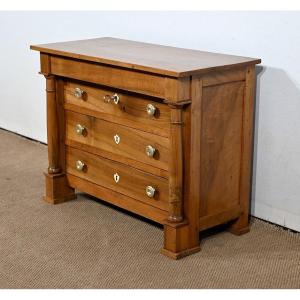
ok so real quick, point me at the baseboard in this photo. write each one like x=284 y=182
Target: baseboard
x=277 y=216
x=23 y=136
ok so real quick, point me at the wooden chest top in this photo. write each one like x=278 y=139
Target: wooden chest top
x=163 y=60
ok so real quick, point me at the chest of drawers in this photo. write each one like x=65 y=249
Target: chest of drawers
x=163 y=132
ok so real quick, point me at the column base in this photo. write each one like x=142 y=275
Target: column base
x=58 y=189
x=181 y=254
x=180 y=240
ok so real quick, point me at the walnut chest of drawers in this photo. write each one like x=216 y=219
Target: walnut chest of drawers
x=163 y=132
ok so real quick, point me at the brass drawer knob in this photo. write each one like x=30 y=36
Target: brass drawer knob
x=80 y=165
x=80 y=129
x=115 y=98
x=78 y=93
x=151 y=109
x=150 y=191
x=150 y=150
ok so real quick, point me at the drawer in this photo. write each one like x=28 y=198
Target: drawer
x=122 y=78
x=130 y=110
x=118 y=139
x=118 y=177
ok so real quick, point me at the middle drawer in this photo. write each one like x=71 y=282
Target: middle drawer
x=120 y=140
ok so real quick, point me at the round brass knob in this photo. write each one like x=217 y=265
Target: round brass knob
x=80 y=165
x=115 y=98
x=150 y=150
x=80 y=129
x=78 y=93
x=150 y=191
x=151 y=109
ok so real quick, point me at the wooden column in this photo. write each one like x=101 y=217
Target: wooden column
x=180 y=228
x=52 y=126
x=176 y=166
x=57 y=186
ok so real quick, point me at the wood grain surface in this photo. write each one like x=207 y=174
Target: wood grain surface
x=101 y=134
x=221 y=147
x=164 y=60
x=132 y=182
x=131 y=110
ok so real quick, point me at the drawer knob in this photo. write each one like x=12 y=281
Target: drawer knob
x=80 y=165
x=150 y=191
x=151 y=109
x=150 y=150
x=80 y=129
x=115 y=98
x=78 y=93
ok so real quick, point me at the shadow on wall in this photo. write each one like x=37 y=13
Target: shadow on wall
x=276 y=164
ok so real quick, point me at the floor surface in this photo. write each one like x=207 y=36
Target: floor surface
x=87 y=244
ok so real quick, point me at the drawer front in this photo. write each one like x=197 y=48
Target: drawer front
x=130 y=110
x=121 y=140
x=118 y=177
x=126 y=79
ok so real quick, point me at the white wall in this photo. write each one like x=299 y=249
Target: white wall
x=272 y=36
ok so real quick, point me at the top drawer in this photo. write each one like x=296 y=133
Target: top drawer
x=126 y=79
x=139 y=112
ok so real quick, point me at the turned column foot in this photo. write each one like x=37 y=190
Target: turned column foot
x=57 y=189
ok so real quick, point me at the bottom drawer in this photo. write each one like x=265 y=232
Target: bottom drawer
x=118 y=177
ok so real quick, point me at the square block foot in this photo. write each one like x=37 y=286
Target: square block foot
x=181 y=254
x=59 y=200
x=239 y=231
x=58 y=189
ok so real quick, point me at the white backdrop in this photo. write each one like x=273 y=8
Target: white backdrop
x=272 y=36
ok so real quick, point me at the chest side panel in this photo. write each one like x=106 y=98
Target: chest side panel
x=222 y=113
